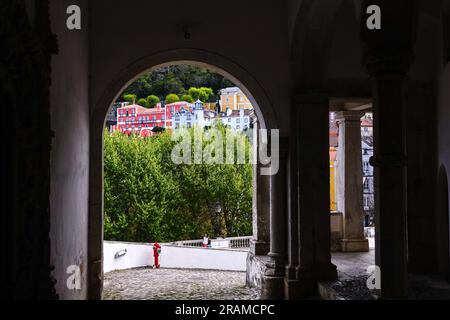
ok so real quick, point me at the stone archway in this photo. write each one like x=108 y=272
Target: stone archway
x=214 y=62
x=442 y=224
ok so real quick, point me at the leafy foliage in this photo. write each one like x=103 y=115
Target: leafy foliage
x=202 y=93
x=177 y=79
x=152 y=100
x=142 y=102
x=131 y=98
x=171 y=98
x=187 y=98
x=149 y=198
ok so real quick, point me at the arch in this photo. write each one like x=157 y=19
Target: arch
x=206 y=59
x=212 y=61
x=311 y=42
x=442 y=224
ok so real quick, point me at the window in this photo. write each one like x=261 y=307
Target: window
x=238 y=120
x=366 y=185
x=229 y=119
x=238 y=127
x=246 y=120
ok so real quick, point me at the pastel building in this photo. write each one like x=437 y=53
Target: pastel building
x=139 y=120
x=237 y=120
x=234 y=99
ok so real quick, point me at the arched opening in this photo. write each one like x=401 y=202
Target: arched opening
x=442 y=225
x=97 y=188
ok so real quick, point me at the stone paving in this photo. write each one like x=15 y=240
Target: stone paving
x=176 y=284
x=352 y=274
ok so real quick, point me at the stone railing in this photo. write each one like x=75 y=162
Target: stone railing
x=189 y=243
x=240 y=242
x=230 y=243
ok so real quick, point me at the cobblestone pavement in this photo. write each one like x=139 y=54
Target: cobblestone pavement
x=176 y=284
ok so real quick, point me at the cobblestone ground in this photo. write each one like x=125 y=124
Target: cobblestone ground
x=175 y=284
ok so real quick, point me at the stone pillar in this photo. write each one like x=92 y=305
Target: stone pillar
x=349 y=181
x=388 y=54
x=390 y=186
x=259 y=244
x=274 y=275
x=291 y=281
x=313 y=189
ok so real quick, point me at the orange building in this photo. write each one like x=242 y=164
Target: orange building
x=234 y=99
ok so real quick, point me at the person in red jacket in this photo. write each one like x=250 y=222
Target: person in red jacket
x=156 y=253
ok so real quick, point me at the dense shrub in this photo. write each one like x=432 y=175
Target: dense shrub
x=149 y=198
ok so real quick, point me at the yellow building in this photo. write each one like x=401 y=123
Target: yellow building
x=234 y=99
x=210 y=106
x=333 y=179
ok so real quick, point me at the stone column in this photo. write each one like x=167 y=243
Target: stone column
x=259 y=244
x=388 y=54
x=313 y=189
x=389 y=163
x=349 y=181
x=291 y=281
x=274 y=275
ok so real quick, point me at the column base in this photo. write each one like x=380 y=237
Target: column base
x=259 y=248
x=292 y=289
x=308 y=278
x=273 y=288
x=355 y=245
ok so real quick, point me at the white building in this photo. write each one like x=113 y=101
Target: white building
x=237 y=120
x=368 y=186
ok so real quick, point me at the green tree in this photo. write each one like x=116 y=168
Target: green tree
x=171 y=98
x=152 y=100
x=149 y=198
x=194 y=93
x=187 y=98
x=143 y=102
x=131 y=98
x=202 y=93
x=205 y=93
x=177 y=79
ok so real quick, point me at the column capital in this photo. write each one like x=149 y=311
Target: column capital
x=389 y=51
x=311 y=95
x=349 y=115
x=388 y=63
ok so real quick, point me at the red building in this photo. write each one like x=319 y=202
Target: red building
x=137 y=119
